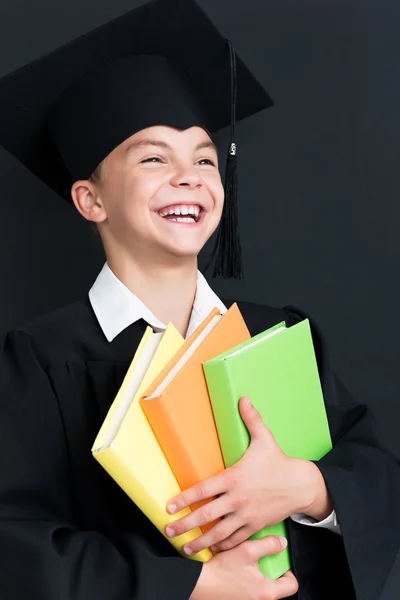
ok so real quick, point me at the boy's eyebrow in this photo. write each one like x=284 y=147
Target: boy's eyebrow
x=161 y=144
x=207 y=144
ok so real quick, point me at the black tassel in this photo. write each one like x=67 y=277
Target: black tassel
x=228 y=255
x=227 y=250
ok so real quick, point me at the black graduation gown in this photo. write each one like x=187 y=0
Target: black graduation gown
x=67 y=531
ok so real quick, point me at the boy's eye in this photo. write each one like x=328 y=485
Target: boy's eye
x=156 y=159
x=151 y=159
x=207 y=161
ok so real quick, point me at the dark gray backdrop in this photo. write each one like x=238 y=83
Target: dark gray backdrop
x=318 y=179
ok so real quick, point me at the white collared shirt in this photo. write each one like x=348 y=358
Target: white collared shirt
x=116 y=308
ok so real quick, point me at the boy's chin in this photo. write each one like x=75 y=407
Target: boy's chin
x=184 y=252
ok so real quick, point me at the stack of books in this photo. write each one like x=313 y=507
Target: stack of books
x=176 y=422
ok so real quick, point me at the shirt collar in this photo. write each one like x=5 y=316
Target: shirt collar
x=116 y=307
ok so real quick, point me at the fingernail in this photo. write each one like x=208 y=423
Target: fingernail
x=171 y=508
x=214 y=548
x=188 y=550
x=283 y=542
x=247 y=402
x=170 y=531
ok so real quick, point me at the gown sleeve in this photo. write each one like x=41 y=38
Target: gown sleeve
x=45 y=555
x=363 y=479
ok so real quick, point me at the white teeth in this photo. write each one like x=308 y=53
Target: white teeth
x=181 y=210
x=182 y=220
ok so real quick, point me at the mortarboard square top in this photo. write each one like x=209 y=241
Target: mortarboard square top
x=163 y=63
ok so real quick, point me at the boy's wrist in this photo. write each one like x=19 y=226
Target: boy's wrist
x=204 y=584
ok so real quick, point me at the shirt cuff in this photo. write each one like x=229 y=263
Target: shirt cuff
x=331 y=522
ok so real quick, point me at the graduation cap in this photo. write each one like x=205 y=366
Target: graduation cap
x=163 y=63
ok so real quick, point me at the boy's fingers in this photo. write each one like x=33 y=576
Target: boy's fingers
x=285 y=586
x=271 y=544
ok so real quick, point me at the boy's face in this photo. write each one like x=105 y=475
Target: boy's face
x=158 y=171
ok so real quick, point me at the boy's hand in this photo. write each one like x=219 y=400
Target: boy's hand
x=235 y=575
x=263 y=488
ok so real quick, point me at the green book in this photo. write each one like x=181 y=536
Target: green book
x=277 y=370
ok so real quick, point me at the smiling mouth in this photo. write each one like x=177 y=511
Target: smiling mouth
x=182 y=213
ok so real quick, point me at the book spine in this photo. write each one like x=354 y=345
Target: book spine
x=169 y=438
x=232 y=433
x=234 y=439
x=186 y=462
x=137 y=492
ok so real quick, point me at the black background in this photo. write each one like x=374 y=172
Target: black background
x=319 y=194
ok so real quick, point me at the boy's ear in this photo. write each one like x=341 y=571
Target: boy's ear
x=87 y=201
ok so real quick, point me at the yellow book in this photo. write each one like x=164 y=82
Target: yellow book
x=127 y=448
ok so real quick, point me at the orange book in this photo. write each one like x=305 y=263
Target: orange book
x=177 y=404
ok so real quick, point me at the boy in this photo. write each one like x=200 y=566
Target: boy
x=122 y=121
